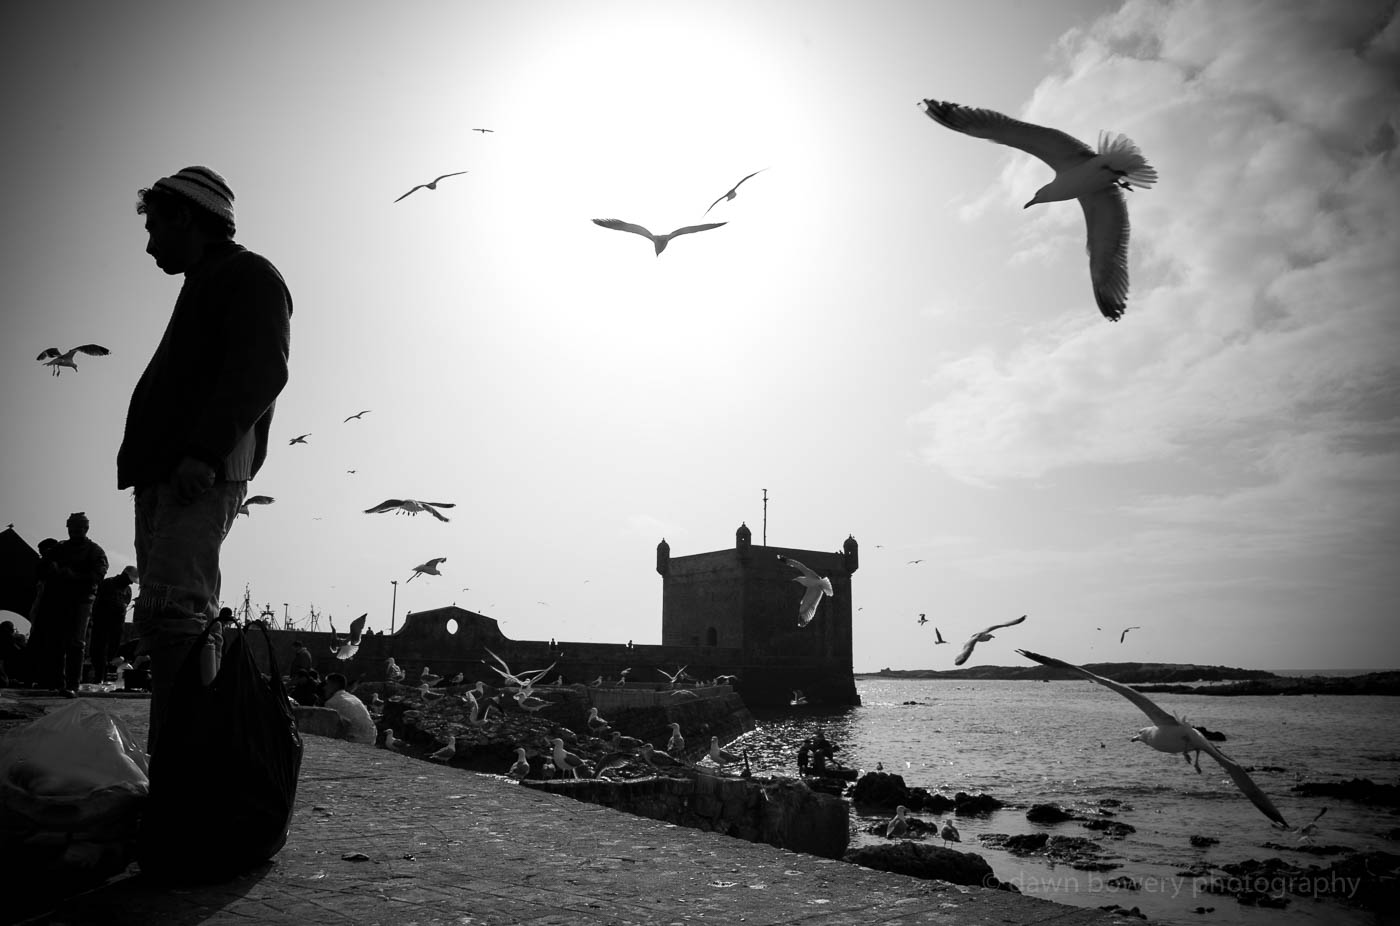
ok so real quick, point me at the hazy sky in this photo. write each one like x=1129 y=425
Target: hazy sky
x=881 y=337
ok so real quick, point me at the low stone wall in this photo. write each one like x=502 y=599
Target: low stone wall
x=781 y=812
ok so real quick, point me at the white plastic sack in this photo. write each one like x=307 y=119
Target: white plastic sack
x=72 y=769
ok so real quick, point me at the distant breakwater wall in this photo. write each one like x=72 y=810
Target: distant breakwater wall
x=781 y=812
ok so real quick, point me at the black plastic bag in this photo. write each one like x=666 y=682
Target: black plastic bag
x=224 y=783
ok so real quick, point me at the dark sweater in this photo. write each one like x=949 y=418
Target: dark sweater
x=209 y=389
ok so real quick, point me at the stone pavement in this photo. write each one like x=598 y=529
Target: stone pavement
x=445 y=846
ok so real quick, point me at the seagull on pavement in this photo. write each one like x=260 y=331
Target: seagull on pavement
x=658 y=241
x=429 y=568
x=733 y=191
x=357 y=415
x=431 y=184
x=816 y=587
x=1096 y=179
x=254 y=500
x=57 y=359
x=410 y=506
x=982 y=636
x=389 y=741
x=521 y=767
x=446 y=752
x=567 y=761
x=347 y=649
x=1169 y=734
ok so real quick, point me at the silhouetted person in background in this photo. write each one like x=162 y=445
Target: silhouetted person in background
x=12 y=654
x=70 y=573
x=108 y=616
x=301 y=658
x=197 y=427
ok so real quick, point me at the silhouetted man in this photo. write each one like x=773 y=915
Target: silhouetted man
x=70 y=574
x=197 y=427
x=108 y=616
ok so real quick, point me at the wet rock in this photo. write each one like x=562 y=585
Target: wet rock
x=1393 y=835
x=881 y=789
x=1204 y=910
x=1369 y=880
x=1202 y=842
x=1113 y=829
x=1361 y=790
x=925 y=861
x=1124 y=883
x=1123 y=911
x=918 y=829
x=1076 y=851
x=1307 y=848
x=1048 y=813
x=1021 y=844
x=965 y=804
x=1198 y=870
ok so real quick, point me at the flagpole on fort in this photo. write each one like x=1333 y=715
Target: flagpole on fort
x=765 y=517
x=394 y=607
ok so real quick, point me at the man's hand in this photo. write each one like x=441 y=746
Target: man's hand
x=191 y=479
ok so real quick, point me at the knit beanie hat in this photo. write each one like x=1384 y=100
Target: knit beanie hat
x=202 y=186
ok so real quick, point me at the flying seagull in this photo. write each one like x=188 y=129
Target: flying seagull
x=254 y=500
x=431 y=185
x=658 y=241
x=816 y=587
x=1096 y=179
x=357 y=415
x=1124 y=635
x=429 y=568
x=483 y=131
x=923 y=619
x=410 y=506
x=982 y=636
x=299 y=439
x=346 y=649
x=57 y=359
x=938 y=637
x=733 y=191
x=1168 y=734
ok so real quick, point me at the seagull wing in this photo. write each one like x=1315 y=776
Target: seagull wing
x=799 y=567
x=1007 y=624
x=357 y=629
x=808 y=609
x=619 y=225
x=432 y=509
x=1144 y=703
x=389 y=504
x=48 y=352
x=1052 y=146
x=96 y=350
x=1237 y=774
x=445 y=176
x=692 y=229
x=414 y=190
x=967 y=649
x=442 y=504
x=1106 y=221
x=259 y=500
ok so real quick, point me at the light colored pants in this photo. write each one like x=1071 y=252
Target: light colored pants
x=177 y=559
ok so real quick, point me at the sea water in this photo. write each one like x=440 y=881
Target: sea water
x=1068 y=743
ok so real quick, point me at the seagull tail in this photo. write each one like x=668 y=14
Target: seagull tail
x=1124 y=158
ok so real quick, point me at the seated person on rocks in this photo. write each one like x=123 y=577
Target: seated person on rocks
x=306 y=688
x=804 y=756
x=361 y=728
x=822 y=752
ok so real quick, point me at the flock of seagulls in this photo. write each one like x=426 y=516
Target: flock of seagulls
x=659 y=242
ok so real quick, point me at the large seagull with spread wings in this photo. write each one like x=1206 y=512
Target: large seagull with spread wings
x=1096 y=178
x=1169 y=734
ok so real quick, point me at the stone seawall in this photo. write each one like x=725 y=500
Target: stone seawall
x=780 y=812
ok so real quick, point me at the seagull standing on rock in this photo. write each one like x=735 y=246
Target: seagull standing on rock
x=567 y=761
x=949 y=833
x=521 y=767
x=1169 y=734
x=898 y=826
x=676 y=744
x=1096 y=178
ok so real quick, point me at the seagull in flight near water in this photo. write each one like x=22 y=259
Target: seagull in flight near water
x=658 y=241
x=1168 y=734
x=982 y=636
x=733 y=191
x=1096 y=178
x=431 y=184
x=57 y=359
x=816 y=587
